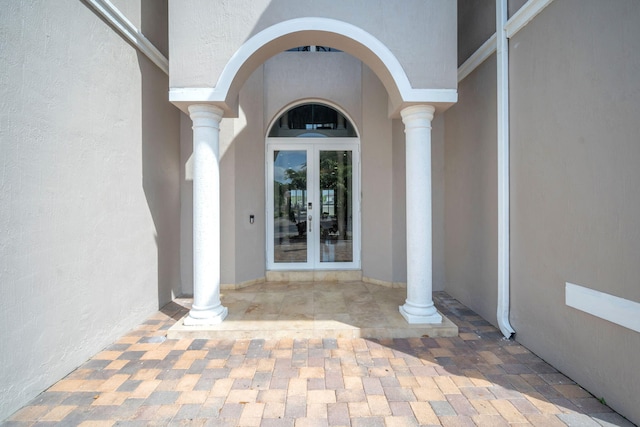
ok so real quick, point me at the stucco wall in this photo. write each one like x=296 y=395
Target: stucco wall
x=421 y=34
x=399 y=207
x=471 y=218
x=294 y=76
x=437 y=202
x=514 y=6
x=476 y=23
x=575 y=199
x=250 y=187
x=89 y=194
x=377 y=181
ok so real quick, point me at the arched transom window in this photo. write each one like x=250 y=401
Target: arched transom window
x=312 y=121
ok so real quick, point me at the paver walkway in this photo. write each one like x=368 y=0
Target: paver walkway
x=477 y=378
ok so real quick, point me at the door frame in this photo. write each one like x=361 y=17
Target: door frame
x=313 y=147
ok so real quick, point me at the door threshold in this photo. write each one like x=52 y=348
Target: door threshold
x=313 y=275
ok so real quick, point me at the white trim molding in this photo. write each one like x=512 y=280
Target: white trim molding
x=478 y=57
x=260 y=47
x=617 y=310
x=129 y=31
x=524 y=15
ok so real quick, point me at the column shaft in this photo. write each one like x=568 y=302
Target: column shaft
x=418 y=307
x=206 y=309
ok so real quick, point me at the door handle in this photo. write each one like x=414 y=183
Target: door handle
x=309 y=221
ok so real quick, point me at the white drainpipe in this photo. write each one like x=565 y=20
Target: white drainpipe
x=502 y=53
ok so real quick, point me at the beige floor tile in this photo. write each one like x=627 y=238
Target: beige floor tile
x=359 y=409
x=508 y=411
x=317 y=410
x=111 y=398
x=58 y=413
x=378 y=405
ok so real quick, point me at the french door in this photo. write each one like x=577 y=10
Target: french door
x=313 y=204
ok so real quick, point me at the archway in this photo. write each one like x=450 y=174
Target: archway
x=207 y=106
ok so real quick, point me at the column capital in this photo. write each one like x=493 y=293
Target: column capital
x=416 y=116
x=205 y=112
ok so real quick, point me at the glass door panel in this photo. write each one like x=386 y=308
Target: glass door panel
x=313 y=205
x=336 y=207
x=290 y=206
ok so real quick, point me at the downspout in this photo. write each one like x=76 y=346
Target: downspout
x=502 y=54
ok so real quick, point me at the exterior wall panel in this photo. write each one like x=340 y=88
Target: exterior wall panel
x=471 y=200
x=575 y=202
x=377 y=179
x=89 y=190
x=476 y=23
x=250 y=175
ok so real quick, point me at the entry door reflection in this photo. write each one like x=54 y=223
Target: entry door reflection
x=336 y=192
x=290 y=206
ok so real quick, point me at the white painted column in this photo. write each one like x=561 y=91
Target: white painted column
x=206 y=309
x=418 y=307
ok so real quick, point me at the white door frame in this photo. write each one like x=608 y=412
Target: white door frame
x=313 y=146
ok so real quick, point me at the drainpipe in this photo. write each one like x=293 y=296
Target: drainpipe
x=502 y=53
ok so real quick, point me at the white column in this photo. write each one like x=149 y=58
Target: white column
x=207 y=309
x=418 y=307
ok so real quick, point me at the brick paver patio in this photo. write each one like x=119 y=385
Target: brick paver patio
x=475 y=379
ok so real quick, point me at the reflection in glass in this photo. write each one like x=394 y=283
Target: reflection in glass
x=290 y=206
x=312 y=121
x=336 y=224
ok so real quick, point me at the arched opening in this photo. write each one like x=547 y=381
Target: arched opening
x=313 y=190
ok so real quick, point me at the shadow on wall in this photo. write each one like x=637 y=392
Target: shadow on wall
x=242 y=192
x=160 y=126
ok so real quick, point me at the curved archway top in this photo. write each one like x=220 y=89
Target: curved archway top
x=313 y=31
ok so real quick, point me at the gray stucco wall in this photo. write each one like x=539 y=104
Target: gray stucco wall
x=399 y=203
x=514 y=6
x=222 y=27
x=471 y=218
x=575 y=199
x=89 y=192
x=249 y=187
x=476 y=23
x=377 y=181
x=437 y=201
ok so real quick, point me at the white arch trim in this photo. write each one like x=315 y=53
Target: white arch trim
x=263 y=45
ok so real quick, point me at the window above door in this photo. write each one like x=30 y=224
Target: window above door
x=312 y=121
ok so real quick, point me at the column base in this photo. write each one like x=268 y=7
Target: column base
x=427 y=316
x=205 y=318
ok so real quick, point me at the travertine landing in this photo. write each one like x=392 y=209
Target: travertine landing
x=276 y=310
